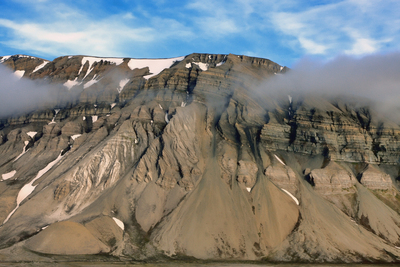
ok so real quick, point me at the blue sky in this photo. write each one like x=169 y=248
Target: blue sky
x=283 y=31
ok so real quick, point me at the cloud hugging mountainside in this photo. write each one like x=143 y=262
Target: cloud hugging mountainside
x=220 y=157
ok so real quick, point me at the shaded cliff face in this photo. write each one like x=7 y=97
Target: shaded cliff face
x=181 y=157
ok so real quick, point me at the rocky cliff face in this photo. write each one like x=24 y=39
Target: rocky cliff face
x=180 y=157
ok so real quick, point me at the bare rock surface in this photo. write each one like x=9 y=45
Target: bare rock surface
x=190 y=160
x=373 y=178
x=332 y=179
x=66 y=238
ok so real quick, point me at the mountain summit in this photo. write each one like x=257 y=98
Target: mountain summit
x=192 y=157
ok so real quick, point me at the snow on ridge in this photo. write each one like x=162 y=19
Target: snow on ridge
x=4 y=58
x=155 y=65
x=92 y=60
x=8 y=175
x=40 y=66
x=19 y=73
x=20 y=55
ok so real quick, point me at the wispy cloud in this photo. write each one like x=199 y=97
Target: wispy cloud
x=72 y=31
x=355 y=27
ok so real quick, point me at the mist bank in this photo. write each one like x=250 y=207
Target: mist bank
x=20 y=95
x=372 y=81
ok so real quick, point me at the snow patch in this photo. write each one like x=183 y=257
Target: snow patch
x=113 y=105
x=19 y=73
x=23 y=151
x=219 y=64
x=69 y=84
x=94 y=118
x=188 y=65
x=75 y=136
x=8 y=175
x=122 y=84
x=155 y=65
x=92 y=60
x=119 y=223
x=354 y=221
x=281 y=68
x=31 y=134
x=248 y=189
x=90 y=83
x=53 y=120
x=202 y=66
x=279 y=160
x=160 y=106
x=84 y=118
x=40 y=66
x=293 y=197
x=4 y=58
x=27 y=189
x=183 y=104
x=166 y=117
x=290 y=99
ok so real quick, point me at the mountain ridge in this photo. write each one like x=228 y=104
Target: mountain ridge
x=197 y=160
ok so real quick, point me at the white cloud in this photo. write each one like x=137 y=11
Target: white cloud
x=72 y=31
x=312 y=47
x=128 y=15
x=323 y=29
x=363 y=45
x=96 y=38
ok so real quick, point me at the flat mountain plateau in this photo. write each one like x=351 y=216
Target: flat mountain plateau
x=192 y=158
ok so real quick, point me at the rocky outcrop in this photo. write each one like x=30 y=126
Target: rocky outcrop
x=375 y=179
x=332 y=179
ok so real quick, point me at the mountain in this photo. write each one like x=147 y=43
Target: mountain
x=192 y=157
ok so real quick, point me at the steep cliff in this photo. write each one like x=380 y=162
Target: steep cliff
x=189 y=157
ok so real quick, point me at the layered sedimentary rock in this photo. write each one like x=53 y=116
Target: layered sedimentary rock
x=185 y=158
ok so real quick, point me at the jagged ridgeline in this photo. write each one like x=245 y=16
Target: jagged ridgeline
x=192 y=157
